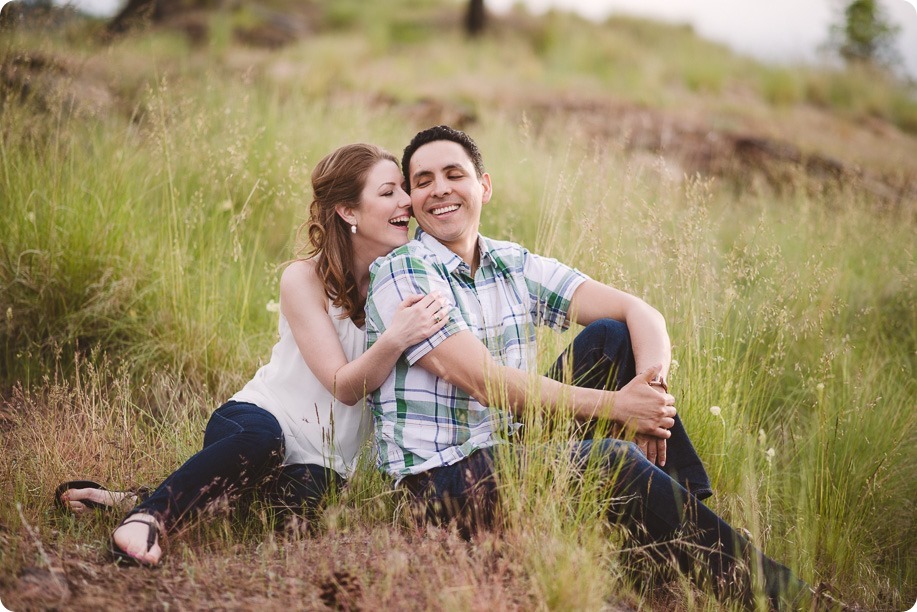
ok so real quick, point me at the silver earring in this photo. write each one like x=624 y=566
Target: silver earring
x=353 y=229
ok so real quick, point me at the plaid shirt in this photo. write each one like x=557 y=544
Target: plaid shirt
x=421 y=421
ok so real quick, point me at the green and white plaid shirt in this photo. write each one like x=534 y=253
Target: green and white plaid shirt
x=421 y=421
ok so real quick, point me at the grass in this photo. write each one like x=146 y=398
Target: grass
x=140 y=248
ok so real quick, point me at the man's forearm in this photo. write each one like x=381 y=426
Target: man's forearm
x=463 y=361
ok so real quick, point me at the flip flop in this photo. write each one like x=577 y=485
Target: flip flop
x=120 y=556
x=140 y=492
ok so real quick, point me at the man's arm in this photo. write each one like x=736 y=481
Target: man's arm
x=593 y=301
x=463 y=360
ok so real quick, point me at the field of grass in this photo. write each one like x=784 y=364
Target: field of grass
x=143 y=234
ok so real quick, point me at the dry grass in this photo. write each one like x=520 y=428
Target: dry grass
x=132 y=214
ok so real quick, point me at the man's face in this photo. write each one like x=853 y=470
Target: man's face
x=446 y=194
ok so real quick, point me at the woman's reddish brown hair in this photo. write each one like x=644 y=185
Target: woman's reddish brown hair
x=338 y=180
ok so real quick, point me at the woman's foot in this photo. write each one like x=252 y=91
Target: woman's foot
x=138 y=537
x=82 y=500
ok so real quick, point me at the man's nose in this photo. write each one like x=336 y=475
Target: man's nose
x=441 y=187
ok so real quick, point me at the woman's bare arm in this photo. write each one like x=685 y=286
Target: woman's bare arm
x=303 y=302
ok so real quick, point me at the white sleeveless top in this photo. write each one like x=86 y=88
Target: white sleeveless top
x=317 y=428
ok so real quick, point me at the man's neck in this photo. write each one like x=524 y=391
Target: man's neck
x=467 y=251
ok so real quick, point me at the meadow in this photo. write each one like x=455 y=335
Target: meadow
x=144 y=231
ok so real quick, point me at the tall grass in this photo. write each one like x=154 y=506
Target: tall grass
x=139 y=252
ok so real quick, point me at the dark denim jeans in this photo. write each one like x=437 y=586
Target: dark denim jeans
x=601 y=357
x=243 y=452
x=658 y=510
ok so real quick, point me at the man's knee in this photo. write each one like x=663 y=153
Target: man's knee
x=608 y=331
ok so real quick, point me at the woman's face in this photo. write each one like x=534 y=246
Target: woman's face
x=384 y=211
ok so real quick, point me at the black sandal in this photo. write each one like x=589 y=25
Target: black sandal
x=141 y=493
x=120 y=556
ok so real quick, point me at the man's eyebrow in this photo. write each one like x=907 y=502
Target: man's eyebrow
x=420 y=173
x=446 y=168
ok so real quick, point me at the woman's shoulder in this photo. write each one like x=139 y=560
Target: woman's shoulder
x=301 y=280
x=300 y=270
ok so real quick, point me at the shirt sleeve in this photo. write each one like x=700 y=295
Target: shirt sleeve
x=395 y=277
x=551 y=286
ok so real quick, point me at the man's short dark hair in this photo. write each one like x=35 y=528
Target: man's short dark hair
x=441 y=132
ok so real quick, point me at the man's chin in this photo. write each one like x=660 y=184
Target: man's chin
x=432 y=231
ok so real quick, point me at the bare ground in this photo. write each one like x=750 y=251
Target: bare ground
x=385 y=568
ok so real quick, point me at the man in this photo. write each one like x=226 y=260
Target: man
x=451 y=399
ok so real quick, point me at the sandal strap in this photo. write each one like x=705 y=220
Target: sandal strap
x=141 y=493
x=152 y=530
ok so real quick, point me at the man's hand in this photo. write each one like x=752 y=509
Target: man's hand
x=643 y=409
x=654 y=448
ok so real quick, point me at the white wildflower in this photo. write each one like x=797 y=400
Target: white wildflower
x=769 y=454
x=762 y=437
x=31 y=217
x=673 y=367
x=272 y=306
x=820 y=387
x=226 y=206
x=715 y=410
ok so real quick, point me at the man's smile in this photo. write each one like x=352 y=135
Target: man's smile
x=442 y=209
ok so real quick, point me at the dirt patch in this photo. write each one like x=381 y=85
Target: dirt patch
x=365 y=569
x=692 y=145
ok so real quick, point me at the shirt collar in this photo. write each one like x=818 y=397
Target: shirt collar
x=450 y=259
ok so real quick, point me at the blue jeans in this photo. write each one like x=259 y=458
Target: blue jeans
x=656 y=508
x=243 y=452
x=602 y=357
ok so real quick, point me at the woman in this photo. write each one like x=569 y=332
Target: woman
x=298 y=426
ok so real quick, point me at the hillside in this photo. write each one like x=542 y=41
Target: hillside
x=651 y=88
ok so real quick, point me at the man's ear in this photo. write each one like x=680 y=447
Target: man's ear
x=346 y=214
x=488 y=188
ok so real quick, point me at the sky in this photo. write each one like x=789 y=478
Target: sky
x=780 y=31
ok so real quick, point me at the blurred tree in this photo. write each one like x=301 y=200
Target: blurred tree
x=475 y=18
x=865 y=36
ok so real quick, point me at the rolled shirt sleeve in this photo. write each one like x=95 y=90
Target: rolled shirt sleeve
x=394 y=278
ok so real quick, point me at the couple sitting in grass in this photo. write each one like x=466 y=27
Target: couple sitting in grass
x=446 y=360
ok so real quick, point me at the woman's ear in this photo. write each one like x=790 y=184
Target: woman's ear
x=346 y=214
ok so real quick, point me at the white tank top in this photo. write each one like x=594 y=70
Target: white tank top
x=317 y=428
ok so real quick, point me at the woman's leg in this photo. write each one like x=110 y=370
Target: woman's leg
x=243 y=444
x=300 y=489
